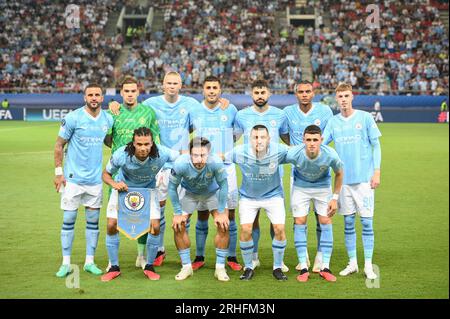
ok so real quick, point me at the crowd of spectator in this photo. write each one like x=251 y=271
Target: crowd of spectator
x=235 y=40
x=43 y=45
x=404 y=51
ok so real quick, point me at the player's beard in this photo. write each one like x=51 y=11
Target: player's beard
x=214 y=101
x=94 y=108
x=260 y=103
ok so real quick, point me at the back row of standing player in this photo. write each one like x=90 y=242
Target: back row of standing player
x=356 y=140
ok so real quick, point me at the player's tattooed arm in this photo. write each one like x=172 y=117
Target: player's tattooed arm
x=114 y=107
x=59 y=154
x=108 y=140
x=118 y=186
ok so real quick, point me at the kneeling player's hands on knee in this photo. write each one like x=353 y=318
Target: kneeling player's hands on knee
x=58 y=181
x=222 y=221
x=332 y=208
x=121 y=187
x=177 y=222
x=114 y=107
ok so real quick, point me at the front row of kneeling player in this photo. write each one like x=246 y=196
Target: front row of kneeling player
x=203 y=181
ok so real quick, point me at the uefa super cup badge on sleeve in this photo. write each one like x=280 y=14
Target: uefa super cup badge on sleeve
x=134 y=212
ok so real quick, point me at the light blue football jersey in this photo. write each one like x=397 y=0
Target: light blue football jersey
x=174 y=120
x=84 y=153
x=260 y=177
x=217 y=126
x=201 y=182
x=297 y=121
x=135 y=173
x=353 y=139
x=313 y=173
x=273 y=118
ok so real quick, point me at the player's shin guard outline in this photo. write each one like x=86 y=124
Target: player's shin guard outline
x=278 y=248
x=152 y=248
x=233 y=239
x=350 y=236
x=247 y=248
x=92 y=232
x=326 y=242
x=300 y=242
x=68 y=231
x=368 y=237
x=201 y=233
x=221 y=255
x=112 y=246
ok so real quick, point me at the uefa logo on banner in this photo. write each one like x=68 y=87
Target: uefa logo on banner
x=134 y=201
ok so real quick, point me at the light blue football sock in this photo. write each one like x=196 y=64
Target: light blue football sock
x=152 y=248
x=188 y=226
x=112 y=245
x=201 y=233
x=68 y=231
x=300 y=242
x=368 y=237
x=92 y=232
x=247 y=252
x=233 y=239
x=221 y=255
x=326 y=242
x=350 y=236
x=185 y=255
x=278 y=248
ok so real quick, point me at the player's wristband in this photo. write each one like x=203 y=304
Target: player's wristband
x=335 y=196
x=58 y=171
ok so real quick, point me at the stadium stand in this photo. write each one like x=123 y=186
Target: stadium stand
x=40 y=53
x=237 y=40
x=407 y=54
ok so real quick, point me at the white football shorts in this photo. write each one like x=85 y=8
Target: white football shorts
x=248 y=208
x=301 y=198
x=74 y=195
x=357 y=198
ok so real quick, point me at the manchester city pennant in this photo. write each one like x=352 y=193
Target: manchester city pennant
x=133 y=218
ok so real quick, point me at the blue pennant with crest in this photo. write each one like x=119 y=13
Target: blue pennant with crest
x=133 y=218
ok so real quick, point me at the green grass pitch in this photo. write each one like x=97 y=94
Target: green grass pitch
x=411 y=231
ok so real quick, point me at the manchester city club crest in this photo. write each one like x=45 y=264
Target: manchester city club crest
x=317 y=122
x=134 y=201
x=224 y=118
x=135 y=208
x=182 y=111
x=273 y=123
x=358 y=126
